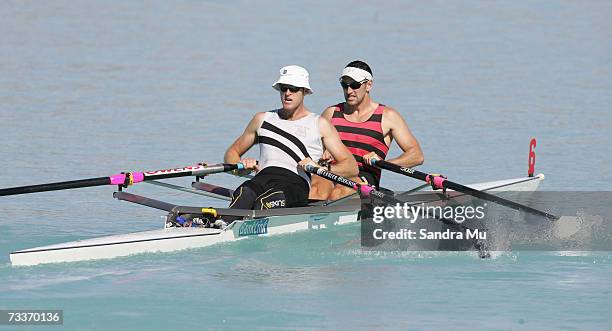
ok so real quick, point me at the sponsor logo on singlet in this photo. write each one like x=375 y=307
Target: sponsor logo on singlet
x=253 y=227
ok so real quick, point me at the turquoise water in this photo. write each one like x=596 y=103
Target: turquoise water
x=92 y=88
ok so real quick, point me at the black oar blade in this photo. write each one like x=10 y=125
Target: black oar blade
x=494 y=198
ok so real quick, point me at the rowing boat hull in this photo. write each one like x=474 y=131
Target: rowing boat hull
x=174 y=239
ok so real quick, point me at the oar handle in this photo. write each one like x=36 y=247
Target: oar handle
x=197 y=170
x=331 y=176
x=223 y=167
x=364 y=190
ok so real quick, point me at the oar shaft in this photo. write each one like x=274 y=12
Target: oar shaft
x=404 y=171
x=56 y=186
x=441 y=182
x=197 y=170
x=124 y=178
x=364 y=190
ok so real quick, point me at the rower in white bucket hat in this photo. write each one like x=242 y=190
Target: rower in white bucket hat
x=295 y=76
x=289 y=138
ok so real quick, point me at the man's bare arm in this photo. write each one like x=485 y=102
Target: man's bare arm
x=345 y=162
x=328 y=114
x=245 y=141
x=412 y=154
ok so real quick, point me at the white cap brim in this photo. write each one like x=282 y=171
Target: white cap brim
x=356 y=74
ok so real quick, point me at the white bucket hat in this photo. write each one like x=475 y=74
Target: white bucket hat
x=295 y=76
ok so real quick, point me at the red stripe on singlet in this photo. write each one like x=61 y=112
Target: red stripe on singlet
x=370 y=125
x=374 y=125
x=345 y=136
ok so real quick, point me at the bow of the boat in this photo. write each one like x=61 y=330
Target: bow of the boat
x=514 y=184
x=163 y=240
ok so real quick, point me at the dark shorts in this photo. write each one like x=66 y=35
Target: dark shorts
x=272 y=187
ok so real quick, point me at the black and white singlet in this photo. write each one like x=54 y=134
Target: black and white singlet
x=284 y=143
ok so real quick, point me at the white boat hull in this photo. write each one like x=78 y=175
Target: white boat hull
x=173 y=239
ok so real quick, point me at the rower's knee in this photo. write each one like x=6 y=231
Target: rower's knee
x=244 y=196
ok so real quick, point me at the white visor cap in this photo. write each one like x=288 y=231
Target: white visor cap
x=295 y=76
x=358 y=75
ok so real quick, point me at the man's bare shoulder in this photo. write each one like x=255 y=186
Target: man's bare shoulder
x=260 y=116
x=328 y=112
x=390 y=115
x=257 y=120
x=390 y=112
x=393 y=121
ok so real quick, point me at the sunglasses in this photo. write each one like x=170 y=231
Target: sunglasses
x=353 y=85
x=291 y=88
